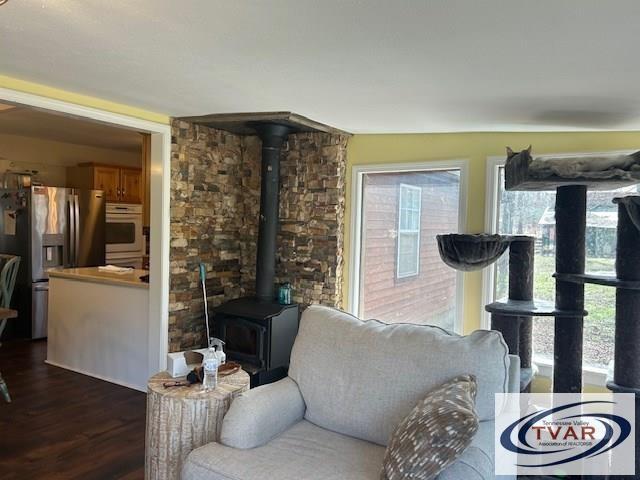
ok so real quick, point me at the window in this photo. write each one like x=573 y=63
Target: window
x=408 y=252
x=532 y=213
x=397 y=274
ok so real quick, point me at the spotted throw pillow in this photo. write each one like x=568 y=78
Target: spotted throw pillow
x=434 y=434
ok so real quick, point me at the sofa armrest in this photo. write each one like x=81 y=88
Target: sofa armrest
x=514 y=374
x=260 y=414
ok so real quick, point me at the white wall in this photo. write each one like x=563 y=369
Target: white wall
x=50 y=158
x=86 y=337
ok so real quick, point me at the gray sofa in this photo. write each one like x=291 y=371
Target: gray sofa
x=350 y=383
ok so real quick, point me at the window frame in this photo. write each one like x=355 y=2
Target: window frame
x=357 y=221
x=405 y=231
x=591 y=375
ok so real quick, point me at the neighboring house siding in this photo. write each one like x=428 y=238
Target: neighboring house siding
x=429 y=296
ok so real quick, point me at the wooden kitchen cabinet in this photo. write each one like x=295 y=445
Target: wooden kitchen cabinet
x=106 y=179
x=131 y=185
x=120 y=184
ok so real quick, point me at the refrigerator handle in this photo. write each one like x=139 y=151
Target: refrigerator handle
x=72 y=232
x=77 y=231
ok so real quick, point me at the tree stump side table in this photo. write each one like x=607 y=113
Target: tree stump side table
x=181 y=419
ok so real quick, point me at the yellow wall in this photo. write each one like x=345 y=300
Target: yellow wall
x=475 y=147
x=84 y=100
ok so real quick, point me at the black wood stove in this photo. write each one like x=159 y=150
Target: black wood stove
x=259 y=335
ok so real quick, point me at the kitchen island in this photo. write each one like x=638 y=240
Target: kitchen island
x=98 y=324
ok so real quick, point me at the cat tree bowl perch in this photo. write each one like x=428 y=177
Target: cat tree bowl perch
x=471 y=252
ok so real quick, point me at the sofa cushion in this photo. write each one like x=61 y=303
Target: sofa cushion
x=361 y=378
x=436 y=432
x=259 y=414
x=308 y=452
x=305 y=451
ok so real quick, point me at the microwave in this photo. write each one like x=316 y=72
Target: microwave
x=123 y=232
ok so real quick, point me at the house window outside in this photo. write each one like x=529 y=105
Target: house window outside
x=408 y=252
x=401 y=278
x=532 y=213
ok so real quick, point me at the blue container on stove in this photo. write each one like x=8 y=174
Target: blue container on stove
x=284 y=294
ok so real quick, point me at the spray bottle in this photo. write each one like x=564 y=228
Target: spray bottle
x=218 y=347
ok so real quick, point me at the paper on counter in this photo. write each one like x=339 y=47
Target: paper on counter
x=115 y=269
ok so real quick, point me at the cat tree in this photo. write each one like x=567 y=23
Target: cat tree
x=571 y=176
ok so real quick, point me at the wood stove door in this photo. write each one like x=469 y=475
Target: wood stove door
x=244 y=340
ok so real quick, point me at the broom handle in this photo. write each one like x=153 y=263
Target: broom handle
x=203 y=278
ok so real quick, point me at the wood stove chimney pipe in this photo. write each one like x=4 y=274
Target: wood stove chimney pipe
x=273 y=136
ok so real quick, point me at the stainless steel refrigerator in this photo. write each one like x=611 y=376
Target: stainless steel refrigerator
x=48 y=227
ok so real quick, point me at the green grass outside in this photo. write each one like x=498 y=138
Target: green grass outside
x=600 y=301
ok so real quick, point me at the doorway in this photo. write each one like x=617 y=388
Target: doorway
x=158 y=145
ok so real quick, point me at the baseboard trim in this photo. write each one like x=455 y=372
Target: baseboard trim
x=99 y=377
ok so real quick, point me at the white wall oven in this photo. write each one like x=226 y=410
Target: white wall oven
x=124 y=240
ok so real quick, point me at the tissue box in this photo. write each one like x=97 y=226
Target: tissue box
x=177 y=364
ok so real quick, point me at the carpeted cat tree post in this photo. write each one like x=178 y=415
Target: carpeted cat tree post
x=626 y=376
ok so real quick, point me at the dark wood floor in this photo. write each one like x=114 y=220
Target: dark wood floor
x=63 y=425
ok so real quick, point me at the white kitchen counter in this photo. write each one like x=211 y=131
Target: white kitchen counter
x=99 y=325
x=93 y=274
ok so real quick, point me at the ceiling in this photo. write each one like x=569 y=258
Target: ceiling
x=359 y=65
x=30 y=122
